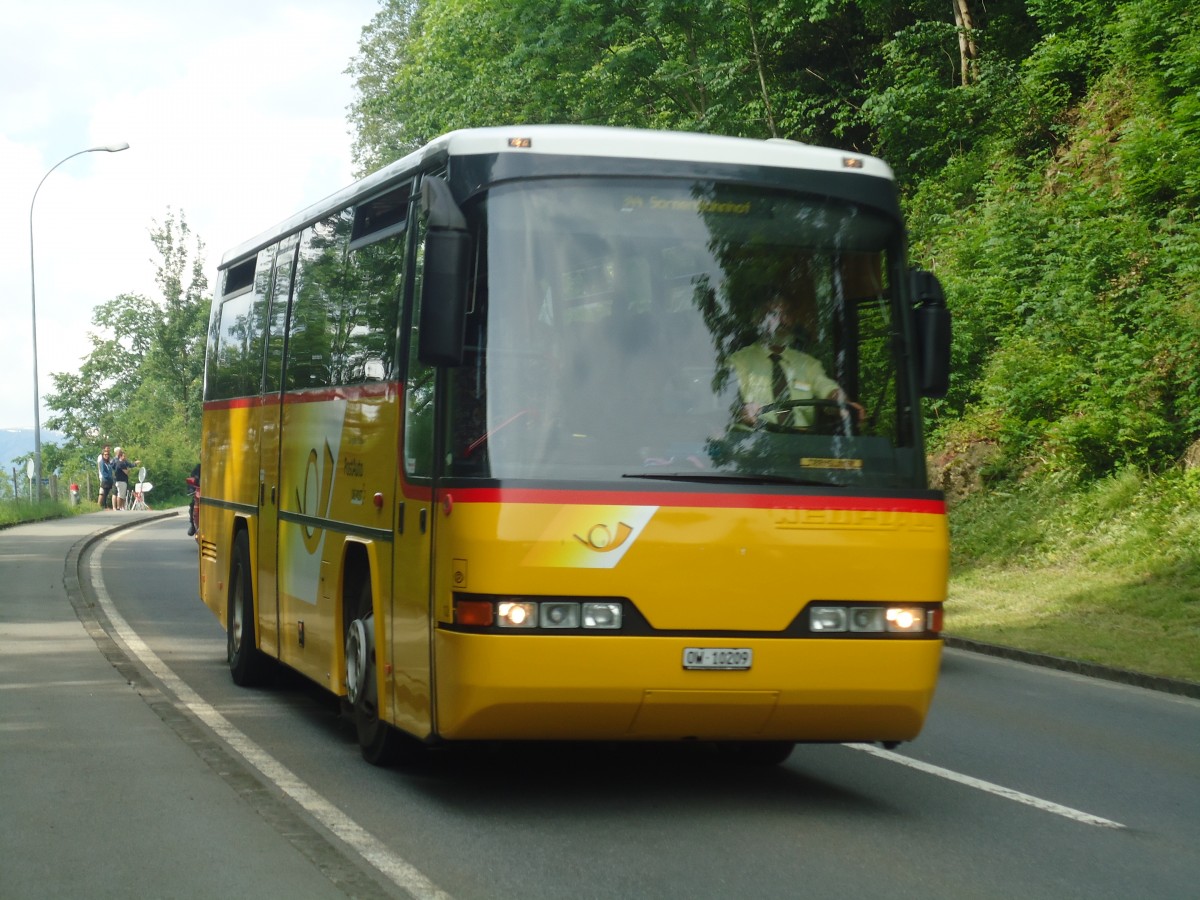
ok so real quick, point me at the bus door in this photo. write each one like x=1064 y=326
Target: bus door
x=412 y=613
x=283 y=257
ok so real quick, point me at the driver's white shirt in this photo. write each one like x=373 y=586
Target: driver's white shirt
x=806 y=380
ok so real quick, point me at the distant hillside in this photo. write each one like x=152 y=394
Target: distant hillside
x=16 y=442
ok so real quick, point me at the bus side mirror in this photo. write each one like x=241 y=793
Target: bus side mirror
x=931 y=321
x=443 y=320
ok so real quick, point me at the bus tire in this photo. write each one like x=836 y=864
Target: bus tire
x=247 y=664
x=757 y=753
x=381 y=744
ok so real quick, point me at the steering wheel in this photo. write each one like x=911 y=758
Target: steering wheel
x=835 y=413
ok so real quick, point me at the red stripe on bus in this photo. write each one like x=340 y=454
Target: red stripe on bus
x=737 y=500
x=234 y=403
x=315 y=395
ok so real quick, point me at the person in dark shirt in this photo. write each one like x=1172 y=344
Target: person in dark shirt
x=193 y=489
x=104 y=471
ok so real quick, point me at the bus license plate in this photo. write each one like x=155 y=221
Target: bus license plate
x=717 y=657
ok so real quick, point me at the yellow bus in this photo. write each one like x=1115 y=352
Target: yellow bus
x=488 y=452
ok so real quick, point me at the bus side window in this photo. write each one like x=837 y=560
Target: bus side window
x=238 y=328
x=229 y=372
x=374 y=274
x=276 y=318
x=419 y=382
x=317 y=305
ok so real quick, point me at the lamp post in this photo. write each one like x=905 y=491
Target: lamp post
x=37 y=415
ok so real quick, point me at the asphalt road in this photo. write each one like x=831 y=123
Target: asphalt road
x=1027 y=782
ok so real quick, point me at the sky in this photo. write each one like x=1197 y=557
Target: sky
x=236 y=117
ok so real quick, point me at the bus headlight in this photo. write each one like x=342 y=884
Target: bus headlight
x=558 y=614
x=877 y=618
x=602 y=615
x=905 y=619
x=867 y=619
x=563 y=614
x=827 y=618
x=517 y=614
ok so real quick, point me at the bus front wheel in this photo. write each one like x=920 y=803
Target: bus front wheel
x=381 y=744
x=247 y=664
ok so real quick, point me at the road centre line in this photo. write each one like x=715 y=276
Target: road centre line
x=397 y=870
x=988 y=787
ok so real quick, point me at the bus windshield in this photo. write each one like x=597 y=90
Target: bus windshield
x=683 y=330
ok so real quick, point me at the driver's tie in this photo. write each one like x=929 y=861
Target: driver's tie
x=780 y=380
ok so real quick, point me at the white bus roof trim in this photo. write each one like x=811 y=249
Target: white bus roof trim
x=583 y=140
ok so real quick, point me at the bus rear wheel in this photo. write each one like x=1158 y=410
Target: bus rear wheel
x=381 y=744
x=247 y=664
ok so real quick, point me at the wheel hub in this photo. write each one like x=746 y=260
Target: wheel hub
x=360 y=641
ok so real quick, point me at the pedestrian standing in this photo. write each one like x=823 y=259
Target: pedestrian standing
x=104 y=470
x=121 y=466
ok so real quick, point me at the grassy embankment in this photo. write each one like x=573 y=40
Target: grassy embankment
x=14 y=512
x=17 y=512
x=1108 y=573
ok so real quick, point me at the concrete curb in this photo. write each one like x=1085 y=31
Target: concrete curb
x=1091 y=670
x=276 y=808
x=94 y=622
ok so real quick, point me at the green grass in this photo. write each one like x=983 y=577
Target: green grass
x=15 y=512
x=1108 y=573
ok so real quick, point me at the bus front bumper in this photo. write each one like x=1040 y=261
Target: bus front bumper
x=550 y=687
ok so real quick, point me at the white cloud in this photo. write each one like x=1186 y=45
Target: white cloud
x=235 y=114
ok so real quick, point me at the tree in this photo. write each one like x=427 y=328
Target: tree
x=381 y=134
x=968 y=50
x=811 y=70
x=1047 y=153
x=89 y=403
x=175 y=355
x=141 y=383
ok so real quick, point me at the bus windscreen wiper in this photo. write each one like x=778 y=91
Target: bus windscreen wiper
x=723 y=478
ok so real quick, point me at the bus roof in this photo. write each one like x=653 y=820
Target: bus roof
x=577 y=140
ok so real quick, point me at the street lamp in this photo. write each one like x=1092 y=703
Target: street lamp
x=37 y=415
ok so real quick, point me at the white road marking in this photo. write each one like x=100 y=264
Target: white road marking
x=397 y=870
x=988 y=787
x=400 y=872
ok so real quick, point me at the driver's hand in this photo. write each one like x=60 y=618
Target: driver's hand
x=860 y=413
x=751 y=412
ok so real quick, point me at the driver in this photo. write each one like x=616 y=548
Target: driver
x=771 y=371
